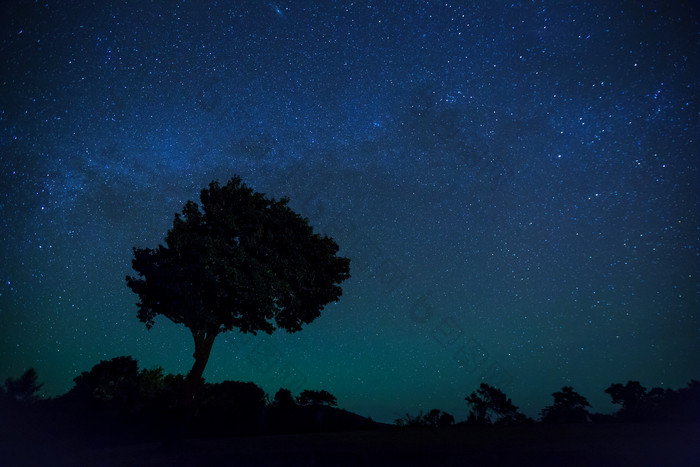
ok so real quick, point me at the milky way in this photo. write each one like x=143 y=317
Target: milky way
x=515 y=184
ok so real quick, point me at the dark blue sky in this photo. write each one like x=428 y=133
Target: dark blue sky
x=515 y=184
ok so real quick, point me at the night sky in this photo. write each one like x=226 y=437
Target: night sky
x=515 y=184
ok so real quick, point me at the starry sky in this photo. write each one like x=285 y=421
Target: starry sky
x=514 y=182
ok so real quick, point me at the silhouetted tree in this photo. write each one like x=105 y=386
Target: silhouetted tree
x=490 y=405
x=632 y=398
x=21 y=390
x=657 y=404
x=432 y=417
x=116 y=388
x=111 y=382
x=241 y=261
x=282 y=413
x=568 y=407
x=151 y=382
x=283 y=398
x=436 y=418
x=311 y=397
x=445 y=420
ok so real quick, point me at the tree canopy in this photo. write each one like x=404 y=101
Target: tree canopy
x=241 y=261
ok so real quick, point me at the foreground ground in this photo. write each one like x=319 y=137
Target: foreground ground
x=571 y=445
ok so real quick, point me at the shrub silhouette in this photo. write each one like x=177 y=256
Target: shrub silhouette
x=568 y=407
x=445 y=419
x=311 y=397
x=409 y=420
x=111 y=384
x=657 y=404
x=283 y=399
x=489 y=405
x=631 y=397
x=435 y=419
x=118 y=391
x=22 y=390
x=282 y=412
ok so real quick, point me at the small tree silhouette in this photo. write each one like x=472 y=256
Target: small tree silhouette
x=568 y=407
x=113 y=382
x=657 y=404
x=311 y=397
x=432 y=418
x=490 y=405
x=445 y=420
x=283 y=399
x=632 y=397
x=21 y=390
x=283 y=412
x=436 y=418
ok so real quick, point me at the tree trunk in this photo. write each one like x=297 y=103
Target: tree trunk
x=203 y=341
x=184 y=412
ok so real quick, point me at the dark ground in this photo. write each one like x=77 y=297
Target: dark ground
x=567 y=445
